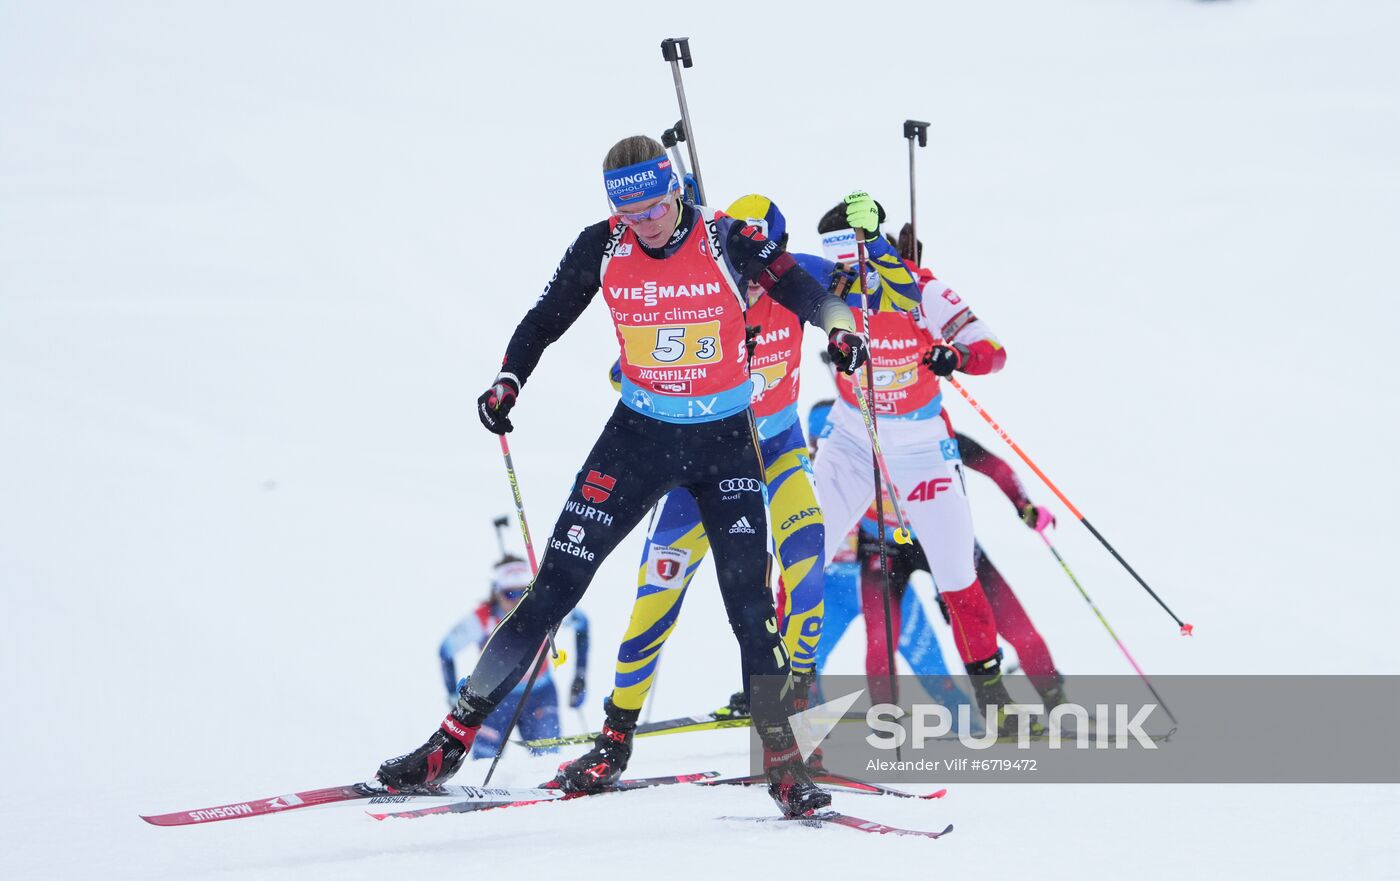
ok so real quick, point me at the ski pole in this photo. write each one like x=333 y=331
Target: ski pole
x=557 y=655
x=651 y=692
x=676 y=50
x=1104 y=621
x=902 y=534
x=519 y=504
x=548 y=644
x=536 y=665
x=501 y=523
x=914 y=129
x=1186 y=629
x=904 y=537
x=877 y=461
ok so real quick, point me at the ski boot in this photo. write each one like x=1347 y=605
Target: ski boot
x=601 y=766
x=989 y=691
x=436 y=760
x=1051 y=689
x=801 y=701
x=737 y=708
x=790 y=784
x=1052 y=693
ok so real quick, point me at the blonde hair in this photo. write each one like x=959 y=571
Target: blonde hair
x=631 y=150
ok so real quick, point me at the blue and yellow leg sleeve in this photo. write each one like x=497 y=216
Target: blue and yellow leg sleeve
x=799 y=535
x=674 y=550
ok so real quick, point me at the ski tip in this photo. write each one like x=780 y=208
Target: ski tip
x=1188 y=629
x=167 y=821
x=379 y=816
x=948 y=829
x=932 y=795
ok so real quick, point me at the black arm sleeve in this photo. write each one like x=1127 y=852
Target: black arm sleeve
x=792 y=287
x=984 y=461
x=563 y=301
x=974 y=455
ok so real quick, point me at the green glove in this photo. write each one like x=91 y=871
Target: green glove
x=862 y=212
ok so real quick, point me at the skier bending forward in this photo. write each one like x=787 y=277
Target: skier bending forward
x=675 y=277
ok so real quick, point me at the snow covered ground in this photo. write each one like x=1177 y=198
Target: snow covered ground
x=257 y=260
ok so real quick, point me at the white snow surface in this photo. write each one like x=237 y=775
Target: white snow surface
x=258 y=259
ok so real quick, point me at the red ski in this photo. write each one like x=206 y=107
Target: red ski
x=354 y=792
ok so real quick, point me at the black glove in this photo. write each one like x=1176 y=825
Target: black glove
x=943 y=359
x=751 y=333
x=849 y=350
x=577 y=692
x=495 y=404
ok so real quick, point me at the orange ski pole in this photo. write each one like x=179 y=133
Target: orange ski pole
x=1186 y=629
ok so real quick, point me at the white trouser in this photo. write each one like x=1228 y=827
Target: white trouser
x=927 y=470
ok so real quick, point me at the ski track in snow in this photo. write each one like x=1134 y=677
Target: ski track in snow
x=256 y=262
